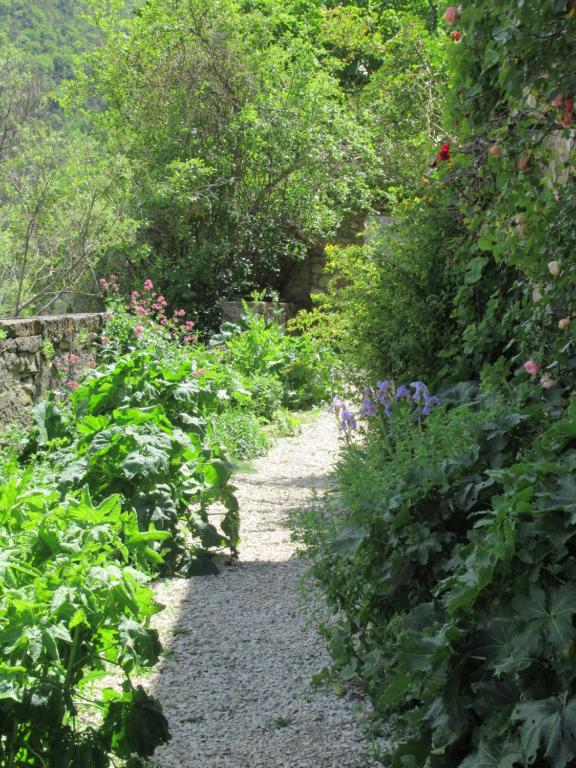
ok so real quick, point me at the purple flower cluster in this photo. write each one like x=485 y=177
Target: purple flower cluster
x=385 y=395
x=345 y=417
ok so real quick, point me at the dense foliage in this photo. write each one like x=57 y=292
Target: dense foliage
x=449 y=556
x=212 y=145
x=115 y=483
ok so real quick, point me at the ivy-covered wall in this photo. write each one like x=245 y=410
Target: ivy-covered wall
x=34 y=352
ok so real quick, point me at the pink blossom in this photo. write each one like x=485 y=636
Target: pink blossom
x=531 y=367
x=189 y=324
x=148 y=284
x=547 y=382
x=451 y=14
x=103 y=282
x=73 y=384
x=108 y=315
x=138 y=330
x=142 y=311
x=181 y=312
x=188 y=339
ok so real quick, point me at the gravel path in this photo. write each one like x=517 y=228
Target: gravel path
x=235 y=684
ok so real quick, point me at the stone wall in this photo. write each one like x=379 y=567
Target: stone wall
x=30 y=349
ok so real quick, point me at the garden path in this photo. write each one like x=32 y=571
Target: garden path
x=236 y=682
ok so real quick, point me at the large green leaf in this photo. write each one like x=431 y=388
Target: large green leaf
x=549 y=725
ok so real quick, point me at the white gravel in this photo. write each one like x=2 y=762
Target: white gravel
x=236 y=682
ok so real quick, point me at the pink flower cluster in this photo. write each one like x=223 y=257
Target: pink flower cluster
x=151 y=309
x=71 y=366
x=533 y=368
x=108 y=286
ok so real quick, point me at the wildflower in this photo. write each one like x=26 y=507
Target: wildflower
x=138 y=330
x=188 y=339
x=564 y=323
x=148 y=285
x=430 y=402
x=367 y=409
x=532 y=367
x=420 y=390
x=451 y=14
x=348 y=422
x=383 y=389
x=188 y=325
x=73 y=384
x=546 y=382
x=181 y=312
x=103 y=282
x=554 y=267
x=403 y=393
x=337 y=403
x=108 y=315
x=443 y=155
x=457 y=36
x=141 y=311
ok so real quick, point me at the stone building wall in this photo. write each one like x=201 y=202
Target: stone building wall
x=30 y=349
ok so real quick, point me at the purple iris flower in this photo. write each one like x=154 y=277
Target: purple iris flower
x=337 y=403
x=420 y=390
x=383 y=391
x=387 y=408
x=403 y=393
x=367 y=408
x=348 y=420
x=429 y=403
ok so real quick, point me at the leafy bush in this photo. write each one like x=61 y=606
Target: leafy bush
x=387 y=304
x=305 y=368
x=267 y=395
x=241 y=433
x=138 y=428
x=70 y=607
x=448 y=561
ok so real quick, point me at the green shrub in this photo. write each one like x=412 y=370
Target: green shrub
x=241 y=433
x=448 y=560
x=306 y=368
x=70 y=606
x=138 y=428
x=267 y=395
x=387 y=305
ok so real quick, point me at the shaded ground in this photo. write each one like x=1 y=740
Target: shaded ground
x=235 y=684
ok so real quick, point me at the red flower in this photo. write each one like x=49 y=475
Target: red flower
x=456 y=36
x=444 y=154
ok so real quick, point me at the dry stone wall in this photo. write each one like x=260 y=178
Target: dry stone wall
x=30 y=349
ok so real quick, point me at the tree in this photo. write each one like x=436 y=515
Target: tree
x=63 y=212
x=245 y=150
